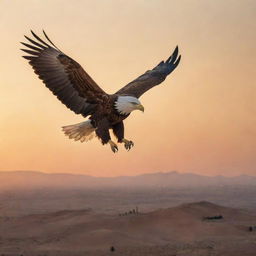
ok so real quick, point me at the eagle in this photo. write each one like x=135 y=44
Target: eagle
x=80 y=93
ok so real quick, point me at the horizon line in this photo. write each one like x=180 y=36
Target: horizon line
x=118 y=176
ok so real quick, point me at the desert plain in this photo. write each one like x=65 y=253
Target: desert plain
x=141 y=217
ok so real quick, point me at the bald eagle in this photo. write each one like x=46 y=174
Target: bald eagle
x=78 y=91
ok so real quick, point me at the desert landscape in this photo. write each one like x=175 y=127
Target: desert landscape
x=187 y=215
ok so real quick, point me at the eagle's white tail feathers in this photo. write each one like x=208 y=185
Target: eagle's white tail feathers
x=82 y=131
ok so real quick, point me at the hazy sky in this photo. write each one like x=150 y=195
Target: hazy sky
x=201 y=119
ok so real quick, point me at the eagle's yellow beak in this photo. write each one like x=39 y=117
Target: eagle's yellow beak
x=140 y=107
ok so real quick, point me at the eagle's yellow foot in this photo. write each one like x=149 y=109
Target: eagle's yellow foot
x=128 y=144
x=113 y=146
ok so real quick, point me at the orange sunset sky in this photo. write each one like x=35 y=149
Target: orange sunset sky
x=202 y=119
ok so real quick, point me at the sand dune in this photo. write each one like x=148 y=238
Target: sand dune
x=174 y=231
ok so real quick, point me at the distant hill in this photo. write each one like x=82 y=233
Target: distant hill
x=34 y=179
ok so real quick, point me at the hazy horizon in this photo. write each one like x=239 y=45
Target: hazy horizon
x=200 y=120
x=126 y=175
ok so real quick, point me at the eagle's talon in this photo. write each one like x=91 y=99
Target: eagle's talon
x=114 y=149
x=128 y=144
x=113 y=146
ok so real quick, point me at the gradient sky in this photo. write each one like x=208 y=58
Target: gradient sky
x=202 y=119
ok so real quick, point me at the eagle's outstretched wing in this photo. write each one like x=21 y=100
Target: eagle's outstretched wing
x=63 y=76
x=152 y=77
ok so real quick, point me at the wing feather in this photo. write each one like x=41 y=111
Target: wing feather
x=39 y=39
x=35 y=43
x=152 y=77
x=63 y=76
x=31 y=52
x=31 y=46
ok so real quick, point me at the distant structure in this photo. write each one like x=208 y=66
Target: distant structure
x=133 y=211
x=218 y=217
x=252 y=228
x=112 y=249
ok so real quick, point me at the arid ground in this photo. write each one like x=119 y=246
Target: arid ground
x=159 y=221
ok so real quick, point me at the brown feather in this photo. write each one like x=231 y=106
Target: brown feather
x=32 y=47
x=152 y=77
x=35 y=43
x=64 y=77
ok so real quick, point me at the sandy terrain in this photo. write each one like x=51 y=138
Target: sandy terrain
x=178 y=230
x=69 y=215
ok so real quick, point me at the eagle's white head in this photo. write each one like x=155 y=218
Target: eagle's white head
x=126 y=104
